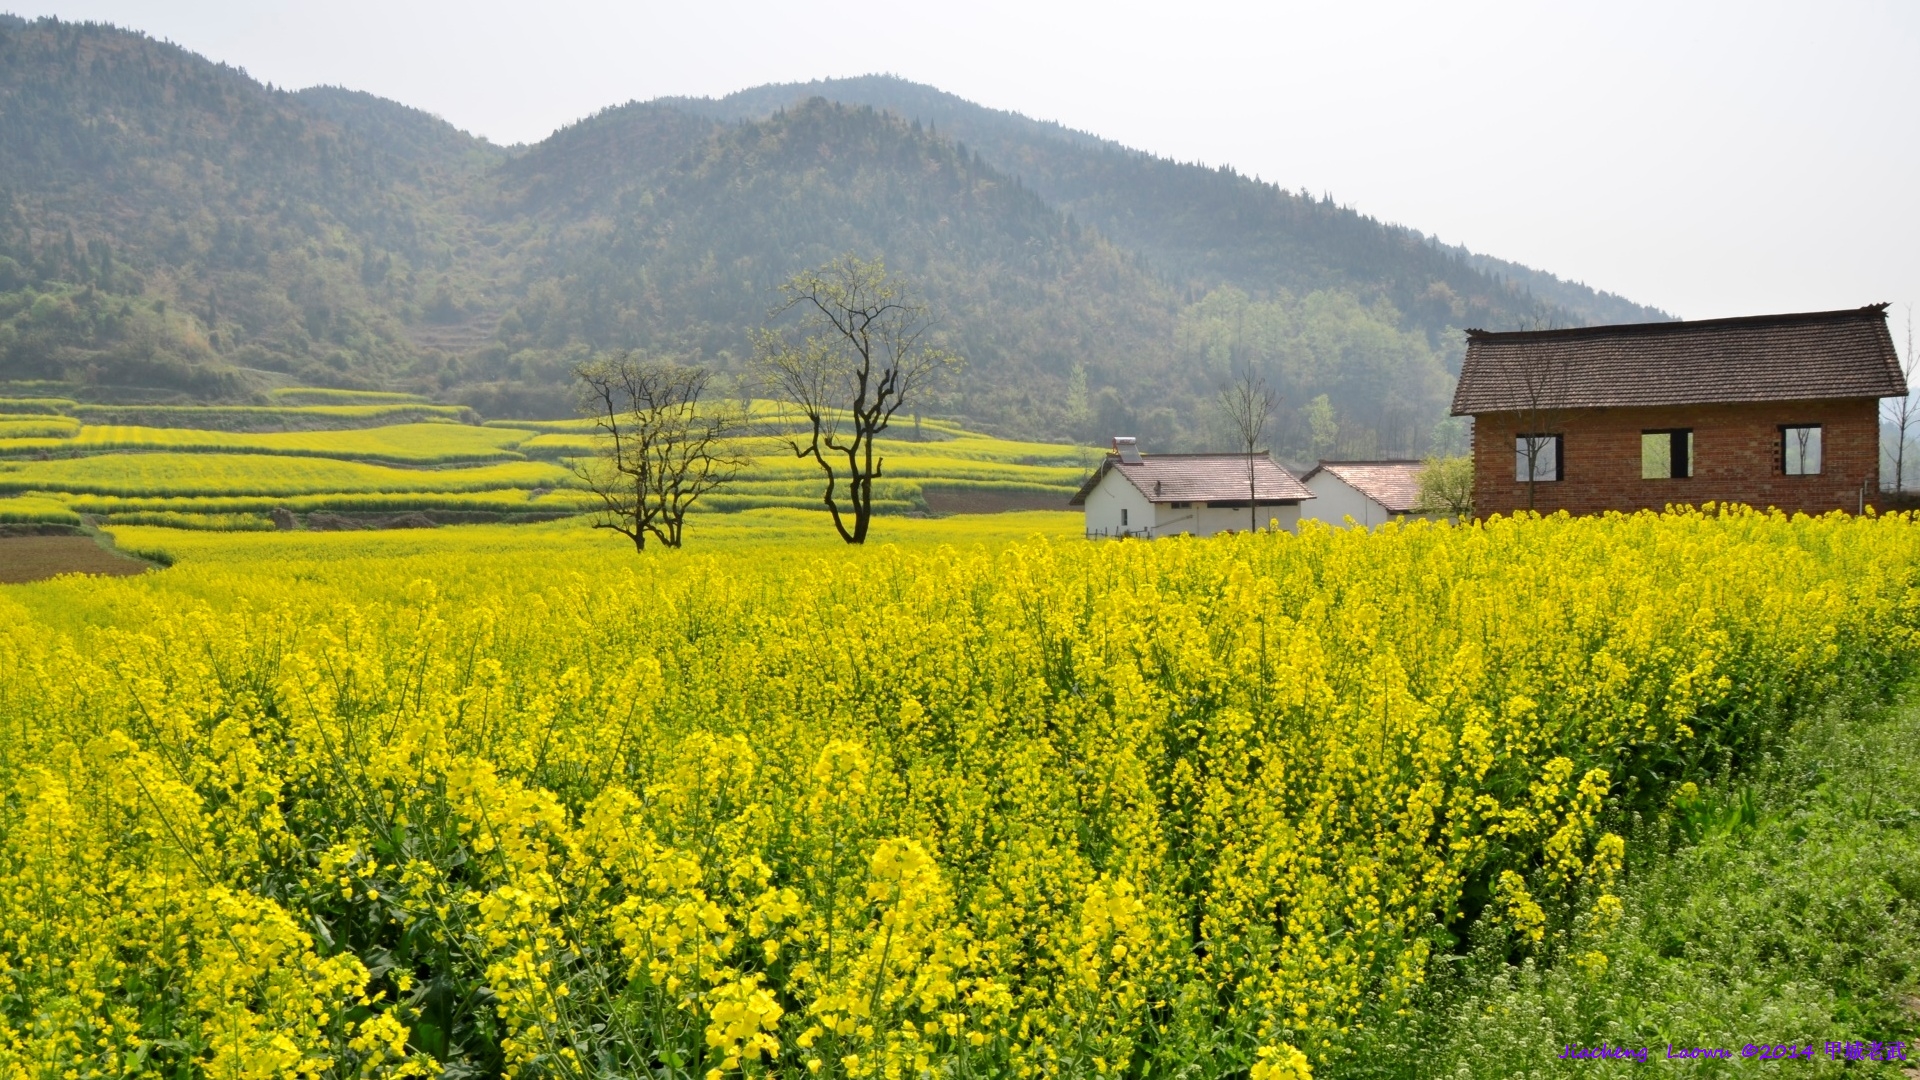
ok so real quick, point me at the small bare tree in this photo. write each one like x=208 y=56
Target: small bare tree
x=658 y=450
x=1248 y=403
x=860 y=352
x=1903 y=413
x=1535 y=378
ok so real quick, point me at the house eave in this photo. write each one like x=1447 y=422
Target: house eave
x=1627 y=406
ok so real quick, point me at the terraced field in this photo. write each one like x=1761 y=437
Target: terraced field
x=27 y=426
x=265 y=417
x=36 y=509
x=413 y=444
x=335 y=452
x=171 y=475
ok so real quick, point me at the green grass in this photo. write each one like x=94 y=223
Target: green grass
x=1782 y=906
x=414 y=444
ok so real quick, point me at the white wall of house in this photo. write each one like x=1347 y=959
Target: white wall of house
x=1335 y=501
x=1207 y=520
x=1172 y=519
x=1115 y=508
x=1146 y=519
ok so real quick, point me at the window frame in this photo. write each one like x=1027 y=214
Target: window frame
x=1559 y=457
x=1675 y=462
x=1820 y=464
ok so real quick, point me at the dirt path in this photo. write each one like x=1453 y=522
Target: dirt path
x=31 y=558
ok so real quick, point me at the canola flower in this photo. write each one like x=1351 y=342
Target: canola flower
x=429 y=460
x=1053 y=810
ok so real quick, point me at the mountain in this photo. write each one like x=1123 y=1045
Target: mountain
x=412 y=135
x=235 y=227
x=171 y=227
x=1209 y=227
x=638 y=205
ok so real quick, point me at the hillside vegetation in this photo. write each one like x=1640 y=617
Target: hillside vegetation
x=1213 y=227
x=172 y=230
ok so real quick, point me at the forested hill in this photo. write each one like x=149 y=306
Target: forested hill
x=166 y=222
x=171 y=227
x=1208 y=227
x=634 y=206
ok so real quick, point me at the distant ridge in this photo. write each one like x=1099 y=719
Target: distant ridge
x=411 y=133
x=1211 y=225
x=171 y=227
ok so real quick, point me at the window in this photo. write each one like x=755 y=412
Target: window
x=1123 y=517
x=1800 y=450
x=1538 y=457
x=1666 y=455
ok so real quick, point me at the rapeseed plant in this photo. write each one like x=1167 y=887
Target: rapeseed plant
x=1054 y=810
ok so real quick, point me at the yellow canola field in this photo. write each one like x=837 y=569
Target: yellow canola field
x=414 y=444
x=147 y=470
x=765 y=417
x=972 y=448
x=40 y=430
x=31 y=509
x=202 y=415
x=315 y=395
x=510 y=500
x=182 y=475
x=520 y=802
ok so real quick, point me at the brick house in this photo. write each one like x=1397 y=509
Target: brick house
x=1771 y=411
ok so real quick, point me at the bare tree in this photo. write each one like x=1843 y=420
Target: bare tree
x=658 y=450
x=860 y=352
x=1903 y=413
x=1535 y=377
x=1248 y=403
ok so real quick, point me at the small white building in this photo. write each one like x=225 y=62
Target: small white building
x=1145 y=496
x=1369 y=492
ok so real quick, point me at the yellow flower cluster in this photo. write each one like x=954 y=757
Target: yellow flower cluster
x=1051 y=810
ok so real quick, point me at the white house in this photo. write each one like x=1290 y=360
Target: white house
x=1142 y=495
x=1369 y=492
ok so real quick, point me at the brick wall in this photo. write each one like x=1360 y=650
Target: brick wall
x=1736 y=458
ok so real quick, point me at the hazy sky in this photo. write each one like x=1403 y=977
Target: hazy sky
x=1711 y=159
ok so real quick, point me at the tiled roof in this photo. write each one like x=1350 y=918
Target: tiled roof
x=1165 y=478
x=1811 y=356
x=1393 y=484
